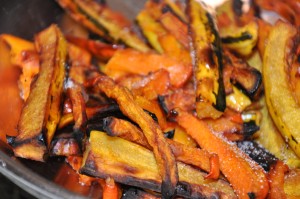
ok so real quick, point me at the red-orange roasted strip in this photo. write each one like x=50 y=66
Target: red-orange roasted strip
x=251 y=179
x=276 y=180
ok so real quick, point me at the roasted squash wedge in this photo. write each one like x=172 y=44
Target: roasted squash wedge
x=41 y=113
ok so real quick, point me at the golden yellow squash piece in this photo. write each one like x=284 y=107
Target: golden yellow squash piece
x=41 y=112
x=283 y=108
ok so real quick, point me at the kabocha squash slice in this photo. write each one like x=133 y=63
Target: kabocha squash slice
x=281 y=104
x=208 y=66
x=135 y=165
x=41 y=112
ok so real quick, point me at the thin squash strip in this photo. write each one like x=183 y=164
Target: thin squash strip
x=189 y=155
x=162 y=152
x=208 y=64
x=251 y=179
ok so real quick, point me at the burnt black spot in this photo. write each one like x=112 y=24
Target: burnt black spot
x=237 y=7
x=251 y=195
x=258 y=153
x=170 y=134
x=293 y=138
x=10 y=140
x=162 y=104
x=152 y=115
x=249 y=128
x=244 y=36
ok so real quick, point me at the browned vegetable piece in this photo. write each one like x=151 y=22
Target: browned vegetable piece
x=103 y=21
x=66 y=144
x=243 y=75
x=41 y=112
x=134 y=193
x=194 y=156
x=78 y=106
x=163 y=154
x=208 y=64
x=175 y=27
x=10 y=102
x=99 y=49
x=132 y=164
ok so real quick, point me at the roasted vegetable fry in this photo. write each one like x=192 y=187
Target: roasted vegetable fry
x=99 y=49
x=11 y=103
x=23 y=54
x=283 y=108
x=110 y=189
x=129 y=61
x=193 y=156
x=163 y=154
x=251 y=179
x=101 y=19
x=42 y=109
x=208 y=64
x=134 y=165
x=78 y=107
x=175 y=27
x=270 y=138
x=151 y=29
x=276 y=179
x=134 y=193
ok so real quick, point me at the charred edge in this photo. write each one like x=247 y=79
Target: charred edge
x=244 y=36
x=152 y=115
x=10 y=140
x=90 y=170
x=167 y=191
x=170 y=134
x=39 y=138
x=91 y=127
x=237 y=7
x=94 y=21
x=249 y=128
x=106 y=111
x=251 y=195
x=106 y=125
x=135 y=193
x=258 y=153
x=172 y=115
x=251 y=92
x=162 y=103
x=293 y=138
x=167 y=8
x=183 y=189
x=217 y=49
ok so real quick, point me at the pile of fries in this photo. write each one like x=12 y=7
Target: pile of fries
x=193 y=105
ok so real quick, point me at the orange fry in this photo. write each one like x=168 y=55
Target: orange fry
x=276 y=180
x=130 y=61
x=250 y=180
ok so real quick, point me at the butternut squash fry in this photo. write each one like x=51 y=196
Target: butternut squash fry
x=276 y=179
x=135 y=165
x=163 y=154
x=41 y=112
x=189 y=155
